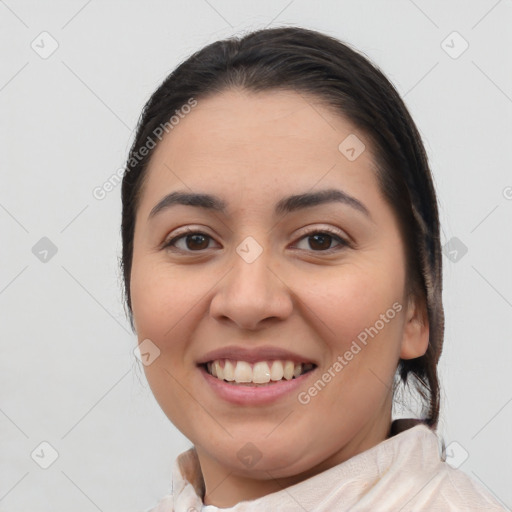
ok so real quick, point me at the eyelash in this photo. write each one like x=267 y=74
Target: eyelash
x=328 y=231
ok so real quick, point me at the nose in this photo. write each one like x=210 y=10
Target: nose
x=252 y=294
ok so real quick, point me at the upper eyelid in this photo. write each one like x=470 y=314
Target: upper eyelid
x=306 y=231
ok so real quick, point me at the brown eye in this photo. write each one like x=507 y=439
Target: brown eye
x=320 y=241
x=194 y=241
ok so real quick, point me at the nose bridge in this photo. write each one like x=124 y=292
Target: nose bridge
x=251 y=292
x=250 y=278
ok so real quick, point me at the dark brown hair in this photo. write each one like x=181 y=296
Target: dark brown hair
x=320 y=66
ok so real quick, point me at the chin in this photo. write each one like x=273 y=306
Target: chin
x=261 y=459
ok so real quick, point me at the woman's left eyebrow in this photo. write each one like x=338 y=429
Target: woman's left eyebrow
x=286 y=205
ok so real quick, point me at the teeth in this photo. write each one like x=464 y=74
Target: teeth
x=288 y=370
x=229 y=371
x=276 y=372
x=219 y=372
x=261 y=372
x=243 y=372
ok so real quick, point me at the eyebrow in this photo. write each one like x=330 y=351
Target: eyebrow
x=286 y=205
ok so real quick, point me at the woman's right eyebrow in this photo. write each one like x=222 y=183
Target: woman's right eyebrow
x=286 y=205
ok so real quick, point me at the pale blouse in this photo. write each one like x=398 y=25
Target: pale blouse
x=405 y=472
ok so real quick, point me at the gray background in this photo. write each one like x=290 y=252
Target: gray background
x=67 y=372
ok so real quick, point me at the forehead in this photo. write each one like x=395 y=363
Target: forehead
x=238 y=141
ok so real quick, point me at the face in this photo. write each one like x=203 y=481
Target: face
x=266 y=279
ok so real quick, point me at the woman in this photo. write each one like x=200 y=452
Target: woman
x=282 y=269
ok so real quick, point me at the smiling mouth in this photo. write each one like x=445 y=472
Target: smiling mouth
x=261 y=373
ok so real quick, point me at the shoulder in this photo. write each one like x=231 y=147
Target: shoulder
x=413 y=468
x=460 y=490
x=443 y=487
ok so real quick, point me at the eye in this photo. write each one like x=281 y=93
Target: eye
x=196 y=241
x=193 y=241
x=320 y=240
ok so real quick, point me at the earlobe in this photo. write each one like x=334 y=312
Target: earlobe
x=416 y=332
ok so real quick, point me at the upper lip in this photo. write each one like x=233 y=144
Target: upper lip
x=253 y=355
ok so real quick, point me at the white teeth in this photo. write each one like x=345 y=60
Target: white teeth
x=276 y=372
x=288 y=370
x=260 y=373
x=229 y=371
x=219 y=372
x=243 y=372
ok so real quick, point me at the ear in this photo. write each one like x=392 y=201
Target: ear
x=416 y=330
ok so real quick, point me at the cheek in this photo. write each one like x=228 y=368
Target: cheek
x=347 y=301
x=362 y=347
x=166 y=306
x=163 y=297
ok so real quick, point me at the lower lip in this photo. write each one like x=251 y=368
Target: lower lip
x=254 y=395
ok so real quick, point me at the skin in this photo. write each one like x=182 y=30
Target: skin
x=252 y=149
